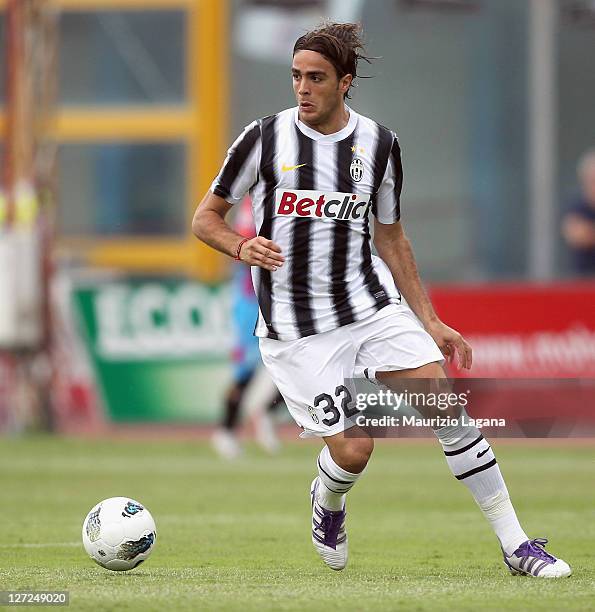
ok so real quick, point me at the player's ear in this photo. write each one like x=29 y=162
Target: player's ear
x=345 y=83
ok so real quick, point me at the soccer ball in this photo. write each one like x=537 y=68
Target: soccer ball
x=119 y=533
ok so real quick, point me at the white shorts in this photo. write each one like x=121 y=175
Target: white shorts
x=312 y=373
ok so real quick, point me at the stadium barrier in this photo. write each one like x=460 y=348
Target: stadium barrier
x=523 y=330
x=156 y=350
x=140 y=350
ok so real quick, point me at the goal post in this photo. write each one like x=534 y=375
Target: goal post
x=27 y=172
x=27 y=194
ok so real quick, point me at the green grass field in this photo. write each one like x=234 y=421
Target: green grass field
x=235 y=536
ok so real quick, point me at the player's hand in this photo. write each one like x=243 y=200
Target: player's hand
x=260 y=251
x=451 y=343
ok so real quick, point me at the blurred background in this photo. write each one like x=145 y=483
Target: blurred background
x=115 y=116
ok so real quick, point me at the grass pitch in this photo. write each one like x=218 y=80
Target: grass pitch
x=235 y=536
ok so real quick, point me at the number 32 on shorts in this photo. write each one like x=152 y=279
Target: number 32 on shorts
x=327 y=403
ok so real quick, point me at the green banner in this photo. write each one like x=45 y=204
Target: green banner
x=159 y=348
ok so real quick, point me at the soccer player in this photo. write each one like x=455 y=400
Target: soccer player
x=578 y=227
x=329 y=310
x=252 y=389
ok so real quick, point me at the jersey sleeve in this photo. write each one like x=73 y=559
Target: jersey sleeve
x=387 y=207
x=239 y=172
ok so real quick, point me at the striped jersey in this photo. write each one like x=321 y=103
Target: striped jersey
x=312 y=194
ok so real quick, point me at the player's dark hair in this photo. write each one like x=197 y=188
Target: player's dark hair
x=340 y=43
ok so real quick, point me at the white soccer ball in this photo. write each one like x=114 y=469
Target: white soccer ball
x=119 y=533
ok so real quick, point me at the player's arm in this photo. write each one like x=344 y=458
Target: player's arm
x=394 y=248
x=209 y=225
x=237 y=176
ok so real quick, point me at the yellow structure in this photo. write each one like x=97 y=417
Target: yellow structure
x=200 y=124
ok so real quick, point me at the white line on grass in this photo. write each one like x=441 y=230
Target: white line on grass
x=41 y=545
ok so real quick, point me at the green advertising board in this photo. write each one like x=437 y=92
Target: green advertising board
x=159 y=348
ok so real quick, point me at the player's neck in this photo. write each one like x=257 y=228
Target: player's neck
x=335 y=123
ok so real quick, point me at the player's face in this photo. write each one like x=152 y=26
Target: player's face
x=318 y=90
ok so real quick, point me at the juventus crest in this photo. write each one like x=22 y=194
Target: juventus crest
x=356 y=169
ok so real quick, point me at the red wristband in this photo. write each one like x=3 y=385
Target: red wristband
x=238 y=250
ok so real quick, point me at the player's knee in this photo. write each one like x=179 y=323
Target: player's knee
x=354 y=454
x=366 y=447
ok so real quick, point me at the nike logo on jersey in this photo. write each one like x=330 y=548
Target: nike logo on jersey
x=285 y=168
x=483 y=452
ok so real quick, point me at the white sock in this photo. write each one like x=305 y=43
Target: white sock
x=334 y=482
x=472 y=461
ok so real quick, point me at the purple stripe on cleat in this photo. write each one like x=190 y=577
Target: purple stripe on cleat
x=540 y=567
x=529 y=558
x=320 y=539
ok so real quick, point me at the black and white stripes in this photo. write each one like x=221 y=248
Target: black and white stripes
x=335 y=478
x=237 y=175
x=381 y=147
x=470 y=458
x=395 y=157
x=268 y=173
x=330 y=277
x=301 y=236
x=341 y=236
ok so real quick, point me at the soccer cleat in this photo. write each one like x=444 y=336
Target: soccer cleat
x=530 y=559
x=328 y=532
x=266 y=435
x=226 y=444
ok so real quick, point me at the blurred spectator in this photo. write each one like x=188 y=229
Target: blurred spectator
x=252 y=390
x=578 y=227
